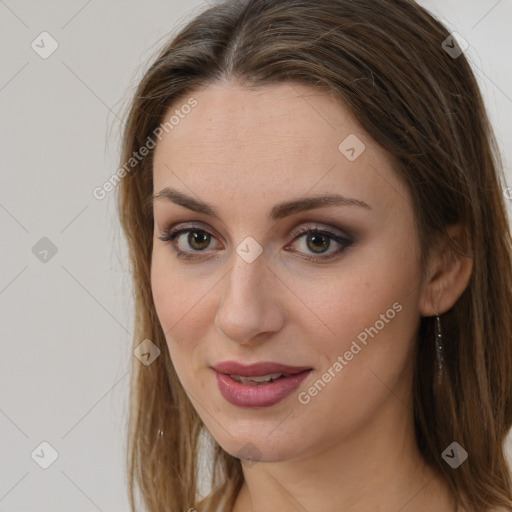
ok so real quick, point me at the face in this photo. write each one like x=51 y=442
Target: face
x=248 y=268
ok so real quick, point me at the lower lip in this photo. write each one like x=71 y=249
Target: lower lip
x=261 y=395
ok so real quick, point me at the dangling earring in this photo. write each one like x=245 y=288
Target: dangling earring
x=439 y=347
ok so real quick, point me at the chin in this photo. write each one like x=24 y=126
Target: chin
x=257 y=446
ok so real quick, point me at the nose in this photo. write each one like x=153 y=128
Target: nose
x=249 y=306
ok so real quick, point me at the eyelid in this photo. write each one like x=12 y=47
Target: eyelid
x=338 y=236
x=316 y=226
x=311 y=226
x=188 y=226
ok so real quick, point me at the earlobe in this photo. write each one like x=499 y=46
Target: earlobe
x=449 y=273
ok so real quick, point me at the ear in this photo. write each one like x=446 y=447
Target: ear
x=448 y=274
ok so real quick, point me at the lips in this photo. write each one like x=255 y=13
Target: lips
x=260 y=384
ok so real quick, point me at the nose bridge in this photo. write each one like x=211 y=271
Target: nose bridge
x=244 y=276
x=247 y=306
x=249 y=269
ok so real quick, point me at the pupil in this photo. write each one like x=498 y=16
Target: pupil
x=315 y=238
x=194 y=236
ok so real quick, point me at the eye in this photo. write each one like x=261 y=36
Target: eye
x=198 y=239
x=319 y=241
x=315 y=241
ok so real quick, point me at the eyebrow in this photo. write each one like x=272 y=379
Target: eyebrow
x=279 y=211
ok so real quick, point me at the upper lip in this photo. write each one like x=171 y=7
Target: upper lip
x=257 y=369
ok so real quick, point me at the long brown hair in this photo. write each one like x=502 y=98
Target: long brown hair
x=390 y=63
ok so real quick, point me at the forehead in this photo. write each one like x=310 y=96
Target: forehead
x=280 y=141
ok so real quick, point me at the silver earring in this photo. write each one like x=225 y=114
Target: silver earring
x=439 y=348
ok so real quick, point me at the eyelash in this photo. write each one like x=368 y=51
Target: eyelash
x=170 y=234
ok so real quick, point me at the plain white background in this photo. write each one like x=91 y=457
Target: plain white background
x=66 y=322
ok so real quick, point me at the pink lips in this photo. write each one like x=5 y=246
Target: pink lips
x=259 y=395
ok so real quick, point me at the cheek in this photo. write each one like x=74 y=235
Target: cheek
x=363 y=287
x=367 y=313
x=363 y=357
x=179 y=299
x=163 y=288
x=174 y=292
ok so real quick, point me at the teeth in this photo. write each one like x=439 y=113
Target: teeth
x=257 y=379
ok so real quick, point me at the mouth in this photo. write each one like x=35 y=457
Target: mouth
x=260 y=384
x=255 y=369
x=258 y=380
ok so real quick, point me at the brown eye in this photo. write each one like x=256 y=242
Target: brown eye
x=317 y=243
x=198 y=240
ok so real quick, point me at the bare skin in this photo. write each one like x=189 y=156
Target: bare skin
x=349 y=446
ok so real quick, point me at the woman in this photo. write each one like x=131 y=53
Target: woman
x=322 y=263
